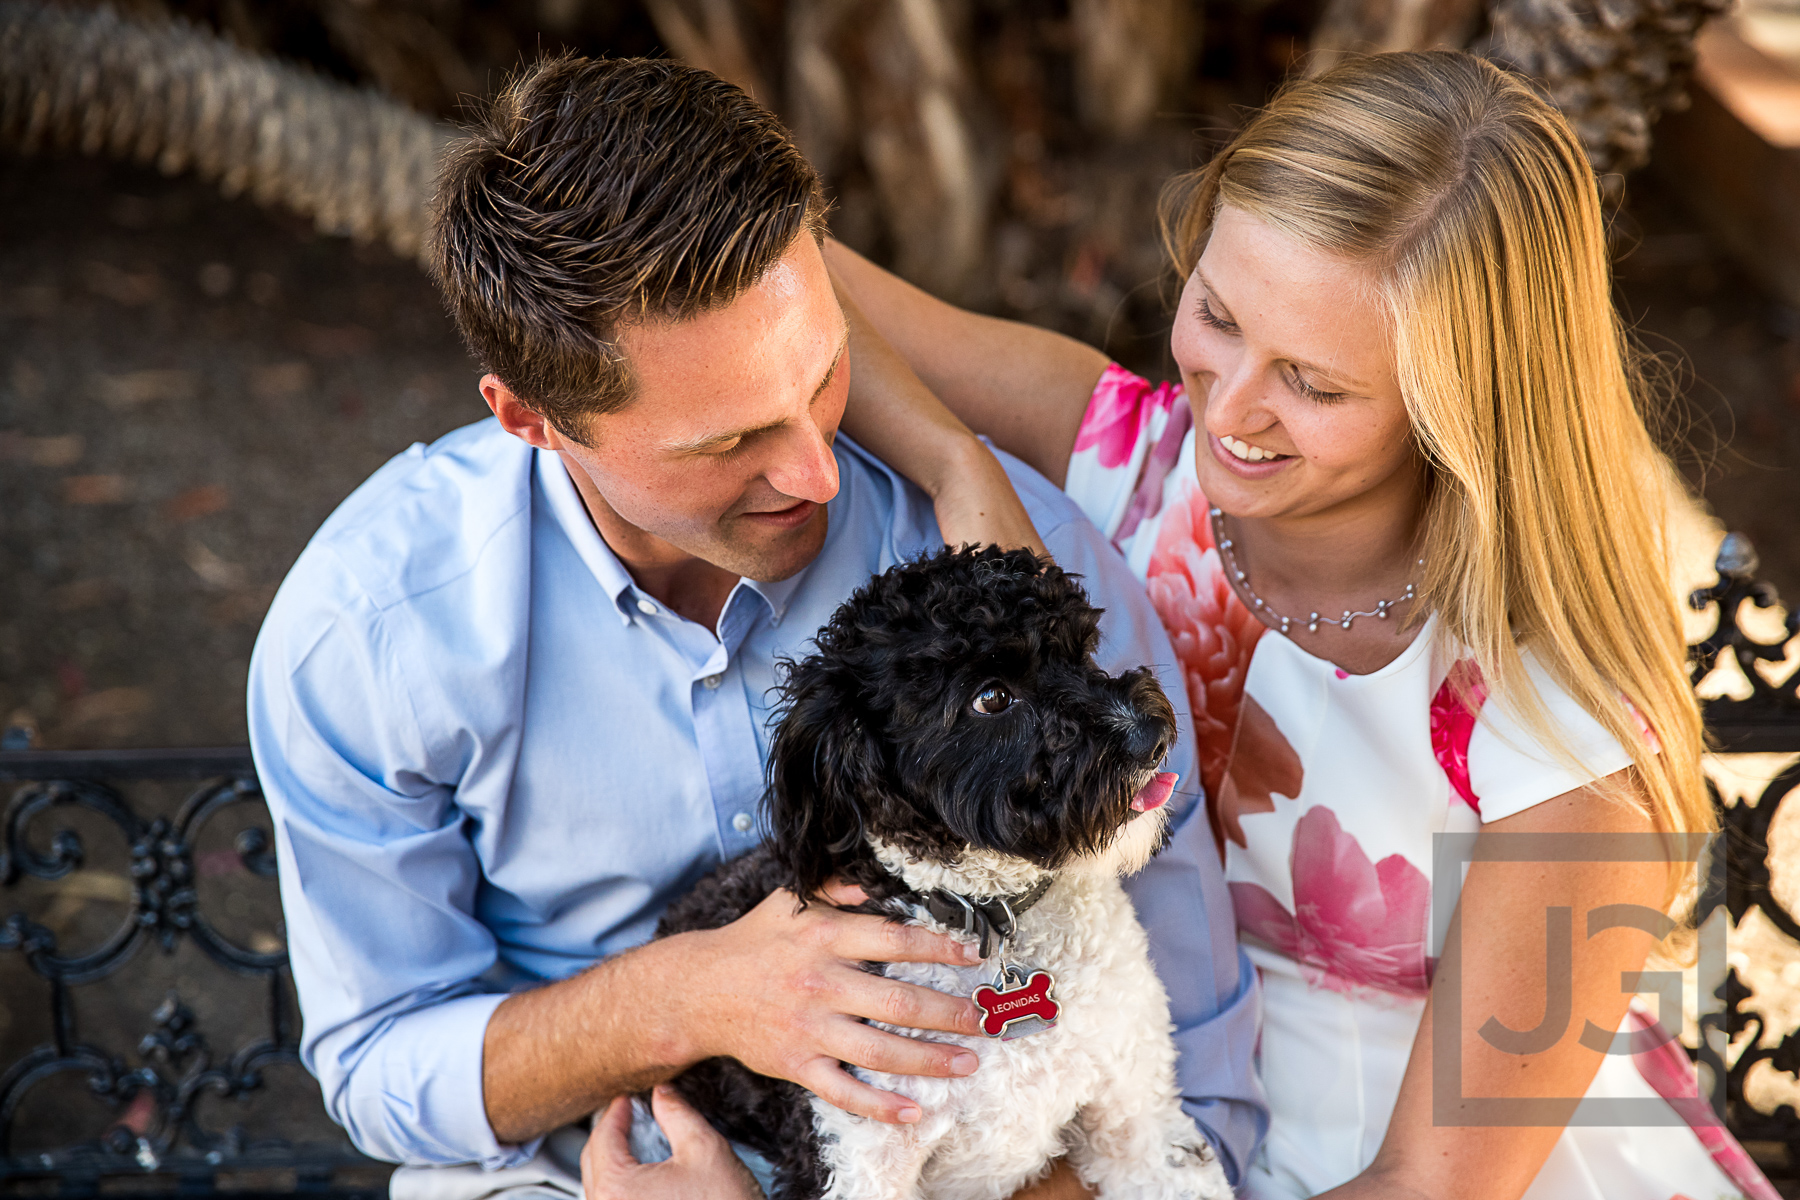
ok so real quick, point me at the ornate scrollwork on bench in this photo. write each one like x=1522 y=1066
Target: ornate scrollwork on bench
x=1765 y=719
x=158 y=1103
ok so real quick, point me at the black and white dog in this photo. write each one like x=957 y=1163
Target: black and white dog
x=953 y=749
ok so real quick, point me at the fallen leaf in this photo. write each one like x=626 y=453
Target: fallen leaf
x=141 y=387
x=263 y=287
x=84 y=594
x=27 y=380
x=216 y=279
x=332 y=341
x=219 y=862
x=244 y=604
x=110 y=713
x=95 y=489
x=196 y=502
x=121 y=287
x=96 y=885
x=34 y=301
x=212 y=570
x=62 y=451
x=133 y=212
x=280 y=380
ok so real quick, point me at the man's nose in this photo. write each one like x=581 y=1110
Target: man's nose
x=804 y=467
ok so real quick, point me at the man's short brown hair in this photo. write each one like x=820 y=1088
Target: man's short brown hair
x=597 y=192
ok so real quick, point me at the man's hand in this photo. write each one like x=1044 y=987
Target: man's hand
x=781 y=990
x=701 y=1165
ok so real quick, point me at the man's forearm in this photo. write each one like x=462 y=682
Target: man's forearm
x=558 y=1053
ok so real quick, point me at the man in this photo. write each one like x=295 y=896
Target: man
x=512 y=698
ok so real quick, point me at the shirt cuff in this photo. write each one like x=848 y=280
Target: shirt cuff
x=416 y=1096
x=1215 y=1073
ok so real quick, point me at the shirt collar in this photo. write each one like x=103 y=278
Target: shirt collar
x=778 y=593
x=571 y=513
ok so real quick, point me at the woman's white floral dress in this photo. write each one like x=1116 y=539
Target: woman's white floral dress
x=1325 y=790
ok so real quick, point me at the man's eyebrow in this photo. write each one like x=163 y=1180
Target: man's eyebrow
x=699 y=445
x=1352 y=385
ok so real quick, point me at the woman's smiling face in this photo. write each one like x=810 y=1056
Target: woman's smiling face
x=1289 y=366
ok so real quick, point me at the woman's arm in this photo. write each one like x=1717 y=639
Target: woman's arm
x=1022 y=386
x=1442 y=1140
x=897 y=417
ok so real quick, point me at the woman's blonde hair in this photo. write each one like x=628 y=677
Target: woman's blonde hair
x=1473 y=202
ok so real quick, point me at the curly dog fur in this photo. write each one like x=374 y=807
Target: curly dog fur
x=952 y=731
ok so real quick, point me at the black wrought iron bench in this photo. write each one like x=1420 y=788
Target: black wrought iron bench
x=183 y=1076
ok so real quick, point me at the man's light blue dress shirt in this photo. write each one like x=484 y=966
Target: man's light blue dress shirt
x=492 y=761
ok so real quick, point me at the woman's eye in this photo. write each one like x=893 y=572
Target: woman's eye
x=1312 y=393
x=1213 y=319
x=993 y=699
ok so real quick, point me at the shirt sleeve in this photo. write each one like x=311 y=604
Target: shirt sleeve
x=1510 y=770
x=1181 y=896
x=378 y=883
x=1124 y=421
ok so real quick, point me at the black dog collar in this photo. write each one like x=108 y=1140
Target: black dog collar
x=994 y=915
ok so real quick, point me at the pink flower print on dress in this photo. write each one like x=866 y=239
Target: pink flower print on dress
x=1355 y=924
x=1263 y=764
x=1454 y=711
x=1211 y=630
x=1118 y=411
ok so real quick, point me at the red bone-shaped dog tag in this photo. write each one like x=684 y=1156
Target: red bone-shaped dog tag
x=1004 y=1008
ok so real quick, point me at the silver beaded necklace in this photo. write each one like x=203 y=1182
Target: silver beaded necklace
x=1313 y=621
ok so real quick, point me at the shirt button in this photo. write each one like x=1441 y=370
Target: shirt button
x=741 y=822
x=644 y=606
x=713 y=681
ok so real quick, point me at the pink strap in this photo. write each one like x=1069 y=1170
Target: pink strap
x=1667 y=1069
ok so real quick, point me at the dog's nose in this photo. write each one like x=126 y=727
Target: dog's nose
x=1153 y=731
x=1150 y=738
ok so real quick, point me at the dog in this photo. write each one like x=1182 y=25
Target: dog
x=952 y=748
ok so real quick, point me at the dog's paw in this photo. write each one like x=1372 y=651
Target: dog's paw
x=1196 y=1173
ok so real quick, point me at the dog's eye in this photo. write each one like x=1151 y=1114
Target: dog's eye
x=993 y=699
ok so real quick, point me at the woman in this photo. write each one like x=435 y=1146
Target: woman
x=1394 y=517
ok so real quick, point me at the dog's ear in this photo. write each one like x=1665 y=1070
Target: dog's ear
x=824 y=767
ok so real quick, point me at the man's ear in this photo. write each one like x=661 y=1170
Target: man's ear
x=824 y=766
x=519 y=418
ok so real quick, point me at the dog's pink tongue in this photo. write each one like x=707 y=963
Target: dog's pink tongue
x=1155 y=794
